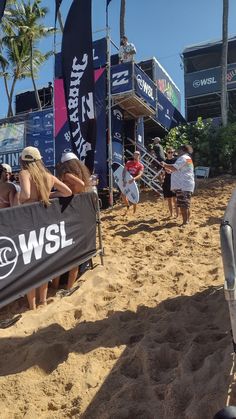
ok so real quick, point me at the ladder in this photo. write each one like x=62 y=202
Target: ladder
x=151 y=176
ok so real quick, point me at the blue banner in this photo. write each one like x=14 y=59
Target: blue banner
x=99 y=53
x=167 y=115
x=117 y=123
x=78 y=77
x=121 y=78
x=39 y=133
x=208 y=81
x=145 y=87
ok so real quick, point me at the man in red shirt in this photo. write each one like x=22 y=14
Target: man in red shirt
x=135 y=168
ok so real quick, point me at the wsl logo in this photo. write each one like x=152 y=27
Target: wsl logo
x=8 y=256
x=35 y=245
x=144 y=86
x=204 y=82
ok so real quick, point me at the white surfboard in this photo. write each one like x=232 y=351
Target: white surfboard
x=130 y=190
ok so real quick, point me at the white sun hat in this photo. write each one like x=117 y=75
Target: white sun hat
x=68 y=156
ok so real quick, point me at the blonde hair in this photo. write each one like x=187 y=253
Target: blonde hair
x=77 y=168
x=39 y=176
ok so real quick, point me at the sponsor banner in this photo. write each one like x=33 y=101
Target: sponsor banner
x=145 y=87
x=37 y=243
x=78 y=76
x=117 y=128
x=62 y=132
x=2 y=8
x=12 y=137
x=208 y=81
x=13 y=159
x=99 y=53
x=39 y=133
x=167 y=115
x=99 y=57
x=12 y=142
x=121 y=78
x=166 y=86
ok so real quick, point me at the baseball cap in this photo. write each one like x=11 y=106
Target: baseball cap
x=7 y=167
x=68 y=156
x=30 y=154
x=136 y=152
x=156 y=138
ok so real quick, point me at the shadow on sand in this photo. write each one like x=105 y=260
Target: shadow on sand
x=176 y=362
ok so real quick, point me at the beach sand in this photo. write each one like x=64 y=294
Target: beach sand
x=146 y=336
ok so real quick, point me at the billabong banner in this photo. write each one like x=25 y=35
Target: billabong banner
x=37 y=243
x=2 y=8
x=78 y=77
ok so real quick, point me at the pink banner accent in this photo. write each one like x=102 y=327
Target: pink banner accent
x=60 y=105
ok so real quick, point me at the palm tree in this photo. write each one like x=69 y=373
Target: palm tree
x=224 y=62
x=24 y=21
x=122 y=17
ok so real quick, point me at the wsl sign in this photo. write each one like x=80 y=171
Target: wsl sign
x=38 y=244
x=78 y=76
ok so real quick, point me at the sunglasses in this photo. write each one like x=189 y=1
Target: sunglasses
x=170 y=152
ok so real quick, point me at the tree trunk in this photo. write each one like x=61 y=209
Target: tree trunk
x=32 y=77
x=224 y=62
x=10 y=111
x=122 y=17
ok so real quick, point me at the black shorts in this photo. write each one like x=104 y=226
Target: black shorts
x=183 y=198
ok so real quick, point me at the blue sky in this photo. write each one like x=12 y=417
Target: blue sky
x=159 y=28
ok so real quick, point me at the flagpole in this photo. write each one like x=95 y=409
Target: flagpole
x=109 y=136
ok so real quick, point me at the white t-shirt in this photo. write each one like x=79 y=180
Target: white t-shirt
x=185 y=172
x=127 y=52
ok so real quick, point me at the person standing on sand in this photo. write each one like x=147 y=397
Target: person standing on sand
x=36 y=184
x=185 y=171
x=135 y=168
x=170 y=195
x=76 y=176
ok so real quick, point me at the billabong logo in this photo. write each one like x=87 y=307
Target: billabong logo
x=8 y=256
x=144 y=86
x=118 y=79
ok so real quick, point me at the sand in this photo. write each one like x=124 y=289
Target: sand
x=146 y=336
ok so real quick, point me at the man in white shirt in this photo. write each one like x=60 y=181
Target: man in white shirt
x=127 y=51
x=184 y=171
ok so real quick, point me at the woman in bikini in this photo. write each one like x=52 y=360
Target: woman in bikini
x=76 y=176
x=7 y=190
x=36 y=185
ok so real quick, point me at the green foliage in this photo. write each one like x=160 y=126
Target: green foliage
x=213 y=146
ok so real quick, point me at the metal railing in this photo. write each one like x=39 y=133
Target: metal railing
x=151 y=175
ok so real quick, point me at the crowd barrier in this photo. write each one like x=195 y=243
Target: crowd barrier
x=38 y=244
x=228 y=248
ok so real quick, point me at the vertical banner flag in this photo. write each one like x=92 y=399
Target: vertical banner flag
x=78 y=77
x=57 y=7
x=2 y=8
x=108 y=1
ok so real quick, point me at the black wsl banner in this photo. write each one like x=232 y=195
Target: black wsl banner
x=78 y=76
x=2 y=8
x=37 y=243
